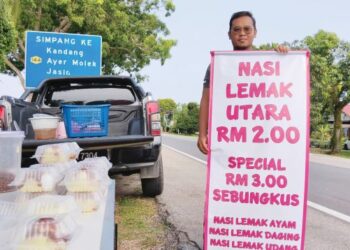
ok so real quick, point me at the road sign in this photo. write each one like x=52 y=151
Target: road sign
x=51 y=55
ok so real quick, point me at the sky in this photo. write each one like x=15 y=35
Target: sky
x=200 y=26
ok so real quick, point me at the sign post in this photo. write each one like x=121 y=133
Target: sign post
x=51 y=55
x=257 y=173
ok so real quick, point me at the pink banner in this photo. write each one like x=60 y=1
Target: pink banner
x=257 y=175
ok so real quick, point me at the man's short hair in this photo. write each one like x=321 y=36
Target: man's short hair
x=241 y=14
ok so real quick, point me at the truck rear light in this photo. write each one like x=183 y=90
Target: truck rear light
x=153 y=117
x=2 y=117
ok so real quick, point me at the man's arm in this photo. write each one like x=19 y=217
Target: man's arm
x=202 y=142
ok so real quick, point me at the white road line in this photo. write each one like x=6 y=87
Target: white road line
x=183 y=153
x=311 y=204
x=329 y=211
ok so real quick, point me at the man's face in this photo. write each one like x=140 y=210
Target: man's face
x=242 y=33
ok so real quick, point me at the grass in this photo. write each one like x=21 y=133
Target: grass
x=343 y=153
x=139 y=225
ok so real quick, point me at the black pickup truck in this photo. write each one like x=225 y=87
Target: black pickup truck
x=133 y=143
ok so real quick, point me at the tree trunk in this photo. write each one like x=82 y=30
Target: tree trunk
x=17 y=71
x=337 y=132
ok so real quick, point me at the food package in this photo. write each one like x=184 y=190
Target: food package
x=87 y=201
x=99 y=162
x=10 y=180
x=84 y=179
x=46 y=233
x=49 y=205
x=10 y=217
x=24 y=197
x=8 y=208
x=57 y=153
x=40 y=180
x=61 y=168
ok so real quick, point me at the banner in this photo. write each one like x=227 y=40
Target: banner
x=257 y=173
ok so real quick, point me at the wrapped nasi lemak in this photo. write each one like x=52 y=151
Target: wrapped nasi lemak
x=59 y=167
x=11 y=180
x=84 y=178
x=10 y=218
x=46 y=233
x=101 y=163
x=88 y=202
x=39 y=180
x=50 y=205
x=57 y=153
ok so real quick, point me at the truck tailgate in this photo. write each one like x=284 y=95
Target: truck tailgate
x=92 y=143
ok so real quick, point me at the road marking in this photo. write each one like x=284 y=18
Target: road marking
x=329 y=211
x=311 y=204
x=185 y=154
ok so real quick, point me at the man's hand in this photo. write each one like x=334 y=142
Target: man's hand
x=202 y=143
x=282 y=49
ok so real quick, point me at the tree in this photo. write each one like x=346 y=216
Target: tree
x=7 y=33
x=167 y=109
x=186 y=118
x=132 y=33
x=330 y=61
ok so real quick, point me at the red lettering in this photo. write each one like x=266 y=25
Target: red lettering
x=244 y=68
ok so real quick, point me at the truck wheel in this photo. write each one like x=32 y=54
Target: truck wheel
x=154 y=186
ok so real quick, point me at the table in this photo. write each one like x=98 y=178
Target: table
x=97 y=229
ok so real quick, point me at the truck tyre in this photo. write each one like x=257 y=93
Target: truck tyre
x=154 y=186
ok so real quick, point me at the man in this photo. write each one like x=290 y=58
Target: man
x=241 y=33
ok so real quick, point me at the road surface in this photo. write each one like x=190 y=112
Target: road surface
x=183 y=197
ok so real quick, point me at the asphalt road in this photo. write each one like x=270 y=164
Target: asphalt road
x=184 y=193
x=329 y=182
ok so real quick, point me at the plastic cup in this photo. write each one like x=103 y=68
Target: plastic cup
x=44 y=127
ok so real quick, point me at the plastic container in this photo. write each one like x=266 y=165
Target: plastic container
x=51 y=205
x=88 y=202
x=38 y=180
x=10 y=158
x=49 y=233
x=101 y=164
x=24 y=197
x=44 y=126
x=86 y=120
x=10 y=180
x=10 y=149
x=82 y=179
x=9 y=209
x=57 y=153
x=10 y=217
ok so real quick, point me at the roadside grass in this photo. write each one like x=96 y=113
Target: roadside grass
x=139 y=225
x=343 y=153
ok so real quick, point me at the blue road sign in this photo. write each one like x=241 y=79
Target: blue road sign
x=51 y=55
